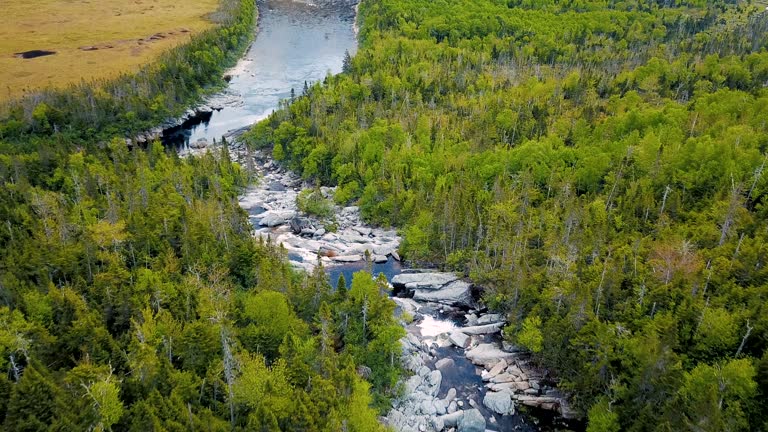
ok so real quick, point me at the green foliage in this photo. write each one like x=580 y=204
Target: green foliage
x=137 y=300
x=597 y=168
x=602 y=419
x=530 y=335
x=312 y=202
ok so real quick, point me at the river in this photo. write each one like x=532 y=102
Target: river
x=298 y=43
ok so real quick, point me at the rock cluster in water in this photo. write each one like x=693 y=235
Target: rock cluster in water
x=443 y=288
x=274 y=214
x=510 y=380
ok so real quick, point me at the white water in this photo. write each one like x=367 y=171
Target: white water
x=432 y=327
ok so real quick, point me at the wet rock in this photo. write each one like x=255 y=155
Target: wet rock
x=459 y=339
x=347 y=258
x=489 y=318
x=422 y=280
x=452 y=419
x=450 y=396
x=500 y=403
x=497 y=368
x=456 y=293
x=487 y=355
x=483 y=329
x=298 y=224
x=471 y=319
x=444 y=363
x=199 y=144
x=471 y=421
x=276 y=218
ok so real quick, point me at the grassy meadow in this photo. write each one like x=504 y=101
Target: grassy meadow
x=92 y=39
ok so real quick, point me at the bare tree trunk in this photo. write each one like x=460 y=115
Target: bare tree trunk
x=744 y=339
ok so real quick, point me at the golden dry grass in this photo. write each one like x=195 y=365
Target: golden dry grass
x=119 y=29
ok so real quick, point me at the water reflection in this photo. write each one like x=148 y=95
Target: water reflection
x=296 y=43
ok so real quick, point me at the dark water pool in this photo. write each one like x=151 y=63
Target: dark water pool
x=391 y=268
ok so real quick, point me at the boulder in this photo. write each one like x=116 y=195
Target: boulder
x=363 y=231
x=471 y=319
x=199 y=144
x=503 y=378
x=412 y=384
x=471 y=421
x=276 y=218
x=422 y=280
x=489 y=318
x=483 y=329
x=452 y=407
x=459 y=339
x=450 y=396
x=397 y=420
x=347 y=258
x=452 y=419
x=444 y=363
x=379 y=259
x=437 y=423
x=497 y=368
x=440 y=406
x=500 y=403
x=299 y=224
x=488 y=355
x=428 y=408
x=382 y=250
x=456 y=293
x=434 y=380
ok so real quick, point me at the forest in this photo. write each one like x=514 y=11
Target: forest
x=132 y=294
x=597 y=167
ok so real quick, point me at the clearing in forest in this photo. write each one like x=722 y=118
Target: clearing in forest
x=59 y=42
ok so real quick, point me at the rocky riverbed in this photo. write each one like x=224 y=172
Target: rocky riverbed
x=341 y=238
x=464 y=377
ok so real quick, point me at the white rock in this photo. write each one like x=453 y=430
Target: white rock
x=347 y=258
x=456 y=293
x=444 y=363
x=487 y=355
x=500 y=403
x=482 y=329
x=459 y=339
x=471 y=421
x=423 y=280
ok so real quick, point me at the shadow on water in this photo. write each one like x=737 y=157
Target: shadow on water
x=391 y=268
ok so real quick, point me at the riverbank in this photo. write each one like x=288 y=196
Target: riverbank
x=338 y=239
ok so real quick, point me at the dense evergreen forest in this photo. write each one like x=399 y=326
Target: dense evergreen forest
x=132 y=295
x=597 y=166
